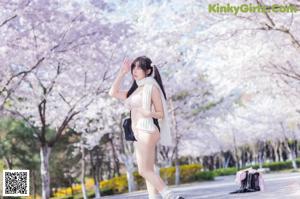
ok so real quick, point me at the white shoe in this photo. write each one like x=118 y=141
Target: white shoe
x=172 y=195
x=167 y=193
x=178 y=197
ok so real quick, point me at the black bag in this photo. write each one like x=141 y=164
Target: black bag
x=249 y=184
x=128 y=130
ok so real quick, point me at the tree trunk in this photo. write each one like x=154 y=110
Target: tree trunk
x=292 y=154
x=45 y=151
x=131 y=181
x=97 y=190
x=116 y=171
x=236 y=152
x=8 y=162
x=82 y=179
x=275 y=149
x=261 y=153
x=226 y=156
x=98 y=168
x=296 y=149
x=177 y=171
x=129 y=164
x=94 y=173
x=280 y=151
x=33 y=185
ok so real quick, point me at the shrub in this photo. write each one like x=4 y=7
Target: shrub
x=187 y=173
x=117 y=184
x=225 y=171
x=275 y=166
x=168 y=174
x=204 y=175
x=65 y=197
x=108 y=191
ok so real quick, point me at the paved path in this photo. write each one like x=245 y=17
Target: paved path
x=277 y=185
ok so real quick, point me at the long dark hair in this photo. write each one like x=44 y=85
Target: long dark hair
x=145 y=64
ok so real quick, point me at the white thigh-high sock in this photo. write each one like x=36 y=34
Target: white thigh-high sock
x=166 y=192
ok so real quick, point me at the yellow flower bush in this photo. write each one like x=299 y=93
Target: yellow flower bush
x=62 y=192
x=187 y=173
x=119 y=184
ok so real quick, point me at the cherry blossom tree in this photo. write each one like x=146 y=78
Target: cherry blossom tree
x=63 y=55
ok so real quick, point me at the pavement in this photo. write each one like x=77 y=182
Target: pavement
x=277 y=185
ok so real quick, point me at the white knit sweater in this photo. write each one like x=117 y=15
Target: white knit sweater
x=147 y=123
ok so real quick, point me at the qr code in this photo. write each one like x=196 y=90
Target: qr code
x=15 y=182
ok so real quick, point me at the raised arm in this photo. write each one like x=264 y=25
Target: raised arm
x=115 y=88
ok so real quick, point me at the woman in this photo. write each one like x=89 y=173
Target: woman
x=147 y=138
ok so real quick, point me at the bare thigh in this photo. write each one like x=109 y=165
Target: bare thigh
x=145 y=149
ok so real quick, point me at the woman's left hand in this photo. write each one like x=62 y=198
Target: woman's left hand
x=144 y=112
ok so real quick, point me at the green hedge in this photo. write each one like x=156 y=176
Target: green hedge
x=204 y=175
x=273 y=166
x=225 y=171
x=276 y=166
